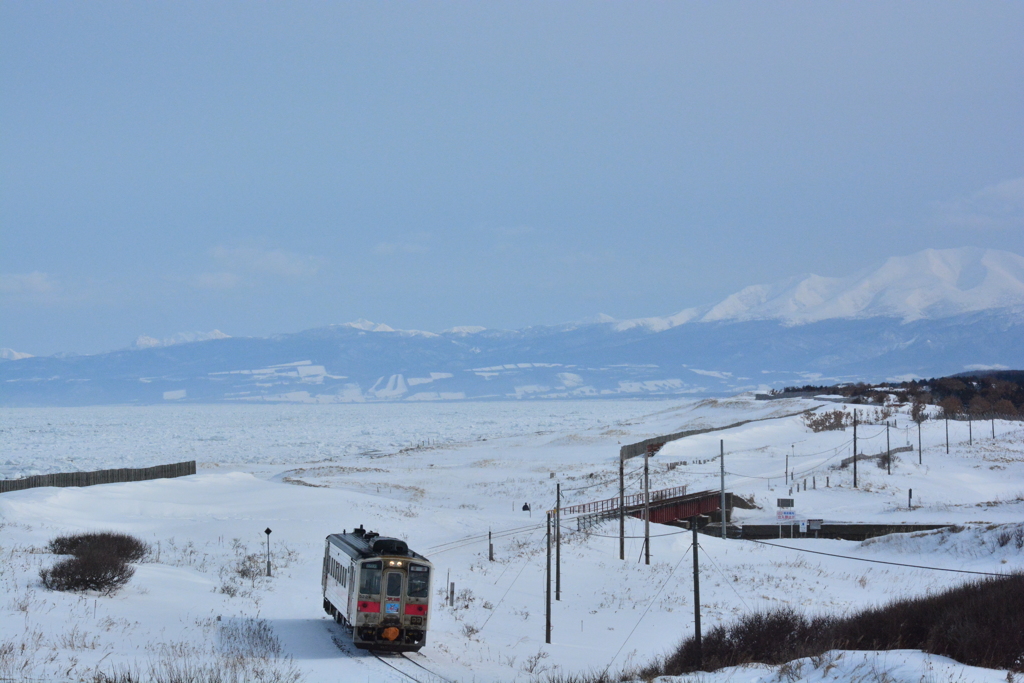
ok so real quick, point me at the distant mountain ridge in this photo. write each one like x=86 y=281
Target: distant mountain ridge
x=932 y=284
x=11 y=354
x=930 y=314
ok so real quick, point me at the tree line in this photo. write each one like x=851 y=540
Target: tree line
x=984 y=394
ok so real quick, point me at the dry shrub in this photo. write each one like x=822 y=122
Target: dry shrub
x=124 y=546
x=978 y=623
x=828 y=421
x=99 y=561
x=95 y=571
x=247 y=652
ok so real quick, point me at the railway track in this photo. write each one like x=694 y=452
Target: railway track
x=420 y=675
x=399 y=662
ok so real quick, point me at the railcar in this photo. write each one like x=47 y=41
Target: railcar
x=379 y=589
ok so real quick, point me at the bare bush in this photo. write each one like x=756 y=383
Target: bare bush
x=978 y=623
x=124 y=546
x=531 y=664
x=248 y=652
x=828 y=421
x=99 y=561
x=250 y=638
x=95 y=571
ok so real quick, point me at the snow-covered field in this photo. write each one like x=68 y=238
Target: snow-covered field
x=441 y=476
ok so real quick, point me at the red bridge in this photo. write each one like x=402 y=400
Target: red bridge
x=667 y=506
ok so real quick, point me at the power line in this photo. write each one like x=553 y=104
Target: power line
x=649 y=605
x=495 y=609
x=674 y=533
x=835 y=450
x=469 y=540
x=864 y=559
x=602 y=483
x=707 y=555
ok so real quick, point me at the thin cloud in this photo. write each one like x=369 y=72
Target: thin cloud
x=508 y=232
x=222 y=280
x=276 y=262
x=30 y=283
x=996 y=207
x=392 y=248
x=34 y=285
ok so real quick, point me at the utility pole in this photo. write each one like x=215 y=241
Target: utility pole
x=490 y=546
x=721 y=448
x=622 y=508
x=888 y=450
x=993 y=428
x=696 y=597
x=547 y=589
x=647 y=507
x=970 y=431
x=947 y=434
x=919 y=457
x=854 y=449
x=793 y=447
x=558 y=541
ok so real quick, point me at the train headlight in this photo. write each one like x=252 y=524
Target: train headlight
x=394 y=563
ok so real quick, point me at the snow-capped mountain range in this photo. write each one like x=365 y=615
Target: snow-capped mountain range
x=144 y=341
x=932 y=284
x=932 y=313
x=11 y=354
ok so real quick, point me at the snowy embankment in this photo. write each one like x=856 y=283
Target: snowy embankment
x=441 y=476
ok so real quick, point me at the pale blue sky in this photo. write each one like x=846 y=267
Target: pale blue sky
x=269 y=167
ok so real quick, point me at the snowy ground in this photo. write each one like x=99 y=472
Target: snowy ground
x=440 y=476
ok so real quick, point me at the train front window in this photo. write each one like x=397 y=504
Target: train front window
x=418 y=581
x=369 y=578
x=394 y=585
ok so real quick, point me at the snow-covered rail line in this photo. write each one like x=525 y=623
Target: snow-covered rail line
x=344 y=644
x=431 y=677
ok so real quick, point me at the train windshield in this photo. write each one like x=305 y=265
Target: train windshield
x=418 y=579
x=369 y=580
x=394 y=585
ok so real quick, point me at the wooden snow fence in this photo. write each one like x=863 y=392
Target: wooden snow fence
x=124 y=474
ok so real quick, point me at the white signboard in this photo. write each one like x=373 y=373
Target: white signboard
x=786 y=515
x=803 y=527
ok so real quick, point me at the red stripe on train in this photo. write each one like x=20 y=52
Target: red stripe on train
x=416 y=609
x=365 y=606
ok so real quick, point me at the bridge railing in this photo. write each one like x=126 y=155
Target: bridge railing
x=610 y=504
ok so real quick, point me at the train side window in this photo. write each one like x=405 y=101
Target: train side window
x=369 y=579
x=419 y=580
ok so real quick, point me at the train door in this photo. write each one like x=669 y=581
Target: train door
x=353 y=593
x=393 y=584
